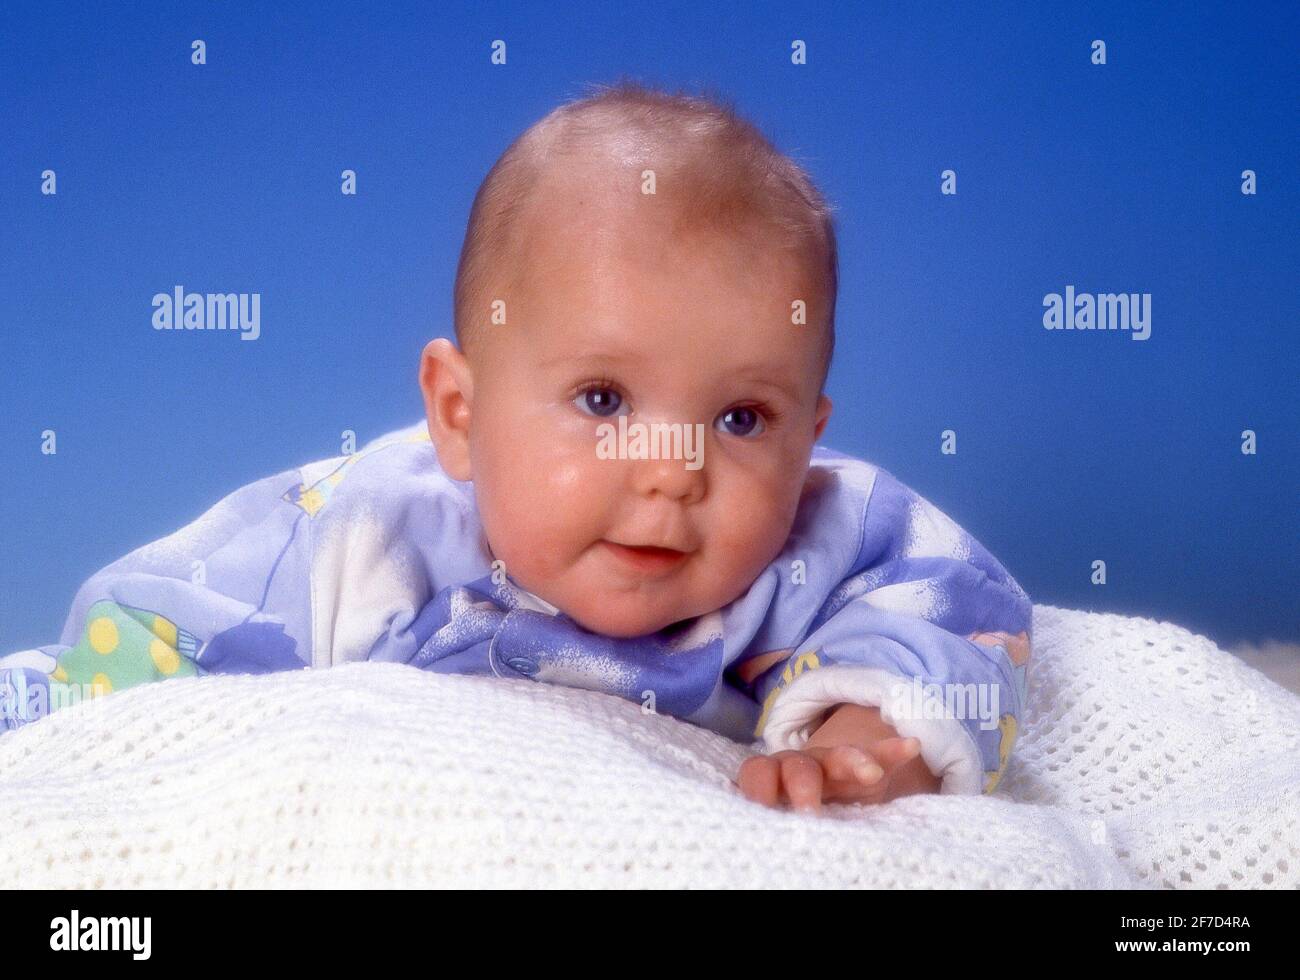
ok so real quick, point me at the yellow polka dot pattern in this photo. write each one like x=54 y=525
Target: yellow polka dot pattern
x=164 y=657
x=103 y=635
x=121 y=647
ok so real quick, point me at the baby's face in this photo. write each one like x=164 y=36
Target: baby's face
x=609 y=318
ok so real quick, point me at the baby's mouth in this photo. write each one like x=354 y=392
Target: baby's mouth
x=644 y=558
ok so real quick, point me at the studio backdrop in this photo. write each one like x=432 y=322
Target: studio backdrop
x=1067 y=233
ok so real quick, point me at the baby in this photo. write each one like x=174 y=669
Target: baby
x=645 y=265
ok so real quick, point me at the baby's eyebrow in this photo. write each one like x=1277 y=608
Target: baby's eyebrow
x=785 y=390
x=595 y=360
x=766 y=381
x=610 y=361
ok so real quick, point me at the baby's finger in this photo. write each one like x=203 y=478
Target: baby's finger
x=846 y=764
x=760 y=779
x=891 y=753
x=801 y=775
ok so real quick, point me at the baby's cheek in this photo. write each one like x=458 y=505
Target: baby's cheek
x=566 y=481
x=553 y=508
x=746 y=534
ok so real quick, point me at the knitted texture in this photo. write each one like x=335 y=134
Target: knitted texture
x=1149 y=757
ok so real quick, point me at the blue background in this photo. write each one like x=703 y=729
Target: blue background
x=1072 y=446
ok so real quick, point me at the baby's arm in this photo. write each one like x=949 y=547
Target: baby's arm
x=228 y=593
x=912 y=676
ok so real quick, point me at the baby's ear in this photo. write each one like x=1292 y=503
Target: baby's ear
x=823 y=416
x=448 y=386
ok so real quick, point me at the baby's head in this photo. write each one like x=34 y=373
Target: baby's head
x=650 y=256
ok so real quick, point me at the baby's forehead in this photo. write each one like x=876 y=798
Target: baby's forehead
x=572 y=226
x=600 y=267
x=641 y=329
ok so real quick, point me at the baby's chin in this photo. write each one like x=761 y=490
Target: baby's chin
x=619 y=624
x=622 y=616
x=623 y=630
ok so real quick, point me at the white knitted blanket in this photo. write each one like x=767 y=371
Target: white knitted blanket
x=1149 y=757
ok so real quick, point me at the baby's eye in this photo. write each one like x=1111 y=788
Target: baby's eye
x=740 y=422
x=601 y=402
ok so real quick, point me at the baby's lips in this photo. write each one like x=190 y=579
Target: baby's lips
x=664 y=542
x=650 y=547
x=648 y=560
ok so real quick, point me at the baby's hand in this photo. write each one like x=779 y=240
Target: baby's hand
x=854 y=757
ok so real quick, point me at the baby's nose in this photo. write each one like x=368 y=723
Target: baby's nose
x=677 y=479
